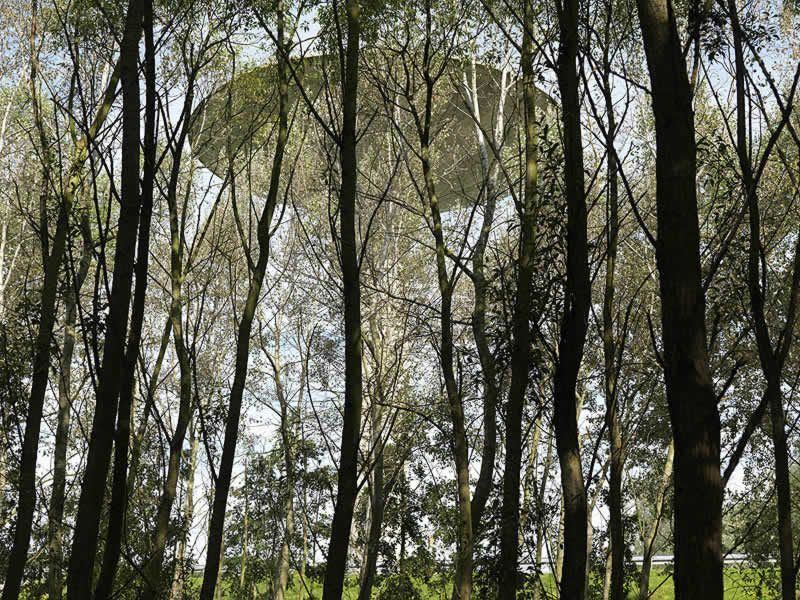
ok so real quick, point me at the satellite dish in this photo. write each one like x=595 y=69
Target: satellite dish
x=238 y=120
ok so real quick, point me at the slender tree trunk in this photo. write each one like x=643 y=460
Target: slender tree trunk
x=607 y=577
x=403 y=510
x=304 y=516
x=154 y=575
x=245 y=533
x=462 y=589
x=615 y=525
x=376 y=500
x=610 y=359
x=648 y=547
x=491 y=393
x=55 y=531
x=542 y=523
x=87 y=524
x=41 y=362
x=282 y=571
x=176 y=592
x=690 y=394
x=784 y=492
x=347 y=484
x=119 y=489
x=462 y=585
x=223 y=483
x=147 y=406
x=574 y=321
x=520 y=354
x=772 y=358
x=282 y=567
x=559 y=566
x=529 y=486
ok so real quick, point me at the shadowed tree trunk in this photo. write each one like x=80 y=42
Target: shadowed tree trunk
x=376 y=510
x=93 y=488
x=611 y=352
x=281 y=579
x=690 y=395
x=179 y=576
x=377 y=344
x=155 y=583
x=772 y=356
x=55 y=523
x=520 y=353
x=491 y=393
x=463 y=560
x=541 y=525
x=649 y=541
x=574 y=322
x=26 y=504
x=119 y=488
x=347 y=484
x=258 y=270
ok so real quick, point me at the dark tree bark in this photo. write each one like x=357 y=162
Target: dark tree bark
x=376 y=510
x=119 y=488
x=491 y=391
x=690 y=394
x=377 y=500
x=462 y=585
x=41 y=361
x=179 y=575
x=93 y=488
x=574 y=322
x=55 y=525
x=347 y=486
x=521 y=350
x=223 y=481
x=281 y=578
x=772 y=356
x=155 y=582
x=610 y=346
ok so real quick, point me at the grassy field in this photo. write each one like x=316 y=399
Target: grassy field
x=740 y=584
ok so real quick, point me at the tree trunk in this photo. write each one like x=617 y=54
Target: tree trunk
x=153 y=572
x=690 y=395
x=491 y=393
x=772 y=358
x=784 y=492
x=376 y=501
x=93 y=488
x=176 y=592
x=648 y=547
x=26 y=503
x=574 y=321
x=55 y=531
x=462 y=588
x=541 y=524
x=610 y=362
x=245 y=531
x=347 y=484
x=282 y=567
x=520 y=353
x=529 y=480
x=119 y=488
x=223 y=482
x=607 y=577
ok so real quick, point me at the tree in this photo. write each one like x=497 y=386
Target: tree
x=574 y=322
x=257 y=270
x=690 y=394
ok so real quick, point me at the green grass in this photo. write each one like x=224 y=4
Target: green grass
x=740 y=584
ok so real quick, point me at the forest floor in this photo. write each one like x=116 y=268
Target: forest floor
x=740 y=584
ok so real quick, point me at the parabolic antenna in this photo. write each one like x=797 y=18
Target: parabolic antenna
x=238 y=120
